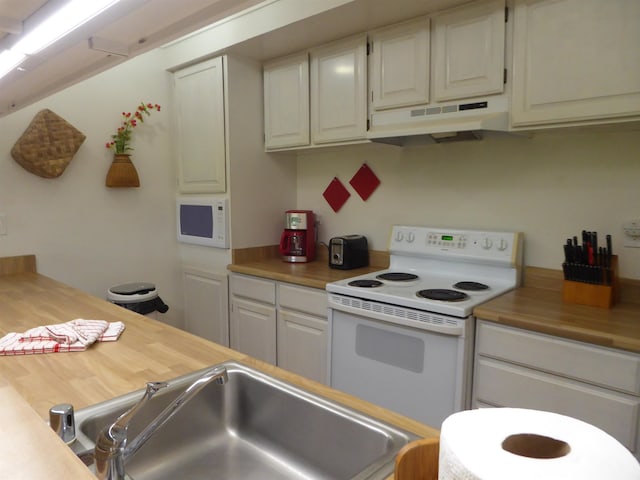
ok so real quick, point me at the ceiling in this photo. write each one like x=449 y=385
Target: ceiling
x=132 y=27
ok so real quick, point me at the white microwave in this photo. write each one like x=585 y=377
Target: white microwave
x=203 y=221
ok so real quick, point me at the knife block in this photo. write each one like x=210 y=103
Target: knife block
x=603 y=296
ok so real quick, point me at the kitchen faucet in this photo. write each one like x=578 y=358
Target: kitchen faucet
x=112 y=449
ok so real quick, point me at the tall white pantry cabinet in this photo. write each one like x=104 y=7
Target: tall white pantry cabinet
x=227 y=144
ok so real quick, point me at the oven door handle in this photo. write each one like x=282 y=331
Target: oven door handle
x=410 y=318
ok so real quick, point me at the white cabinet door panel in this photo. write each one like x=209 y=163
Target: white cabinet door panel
x=575 y=60
x=339 y=91
x=286 y=102
x=399 y=65
x=206 y=304
x=199 y=98
x=468 y=46
x=253 y=329
x=302 y=344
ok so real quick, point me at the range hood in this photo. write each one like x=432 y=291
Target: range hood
x=440 y=122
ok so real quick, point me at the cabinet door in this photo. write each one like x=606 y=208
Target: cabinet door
x=302 y=344
x=206 y=301
x=575 y=60
x=199 y=99
x=286 y=102
x=399 y=65
x=339 y=91
x=468 y=51
x=253 y=329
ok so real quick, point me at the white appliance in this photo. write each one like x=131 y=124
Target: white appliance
x=203 y=221
x=402 y=338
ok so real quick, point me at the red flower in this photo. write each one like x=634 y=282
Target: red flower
x=122 y=137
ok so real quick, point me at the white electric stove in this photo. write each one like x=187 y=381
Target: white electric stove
x=403 y=337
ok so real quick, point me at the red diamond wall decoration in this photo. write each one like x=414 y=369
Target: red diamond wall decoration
x=336 y=194
x=364 y=181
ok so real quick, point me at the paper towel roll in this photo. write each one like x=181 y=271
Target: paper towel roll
x=521 y=444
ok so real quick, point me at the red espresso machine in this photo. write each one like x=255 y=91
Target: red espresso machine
x=298 y=240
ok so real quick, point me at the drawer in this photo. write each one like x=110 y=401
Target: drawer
x=505 y=385
x=303 y=299
x=598 y=365
x=254 y=288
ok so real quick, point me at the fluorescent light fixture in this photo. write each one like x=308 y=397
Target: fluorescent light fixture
x=62 y=22
x=10 y=60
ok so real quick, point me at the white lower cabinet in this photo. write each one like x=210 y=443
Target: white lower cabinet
x=252 y=320
x=302 y=331
x=280 y=323
x=519 y=368
x=206 y=309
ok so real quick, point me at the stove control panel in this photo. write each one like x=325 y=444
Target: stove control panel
x=468 y=245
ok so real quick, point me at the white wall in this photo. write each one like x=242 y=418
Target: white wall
x=83 y=233
x=550 y=187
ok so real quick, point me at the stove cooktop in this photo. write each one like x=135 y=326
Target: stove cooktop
x=434 y=293
x=442 y=271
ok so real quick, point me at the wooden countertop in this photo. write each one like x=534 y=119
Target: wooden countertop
x=539 y=307
x=265 y=262
x=315 y=274
x=147 y=350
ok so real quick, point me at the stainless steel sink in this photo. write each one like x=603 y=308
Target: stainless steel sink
x=254 y=427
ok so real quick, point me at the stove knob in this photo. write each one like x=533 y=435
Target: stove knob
x=399 y=237
x=411 y=237
x=503 y=245
x=486 y=243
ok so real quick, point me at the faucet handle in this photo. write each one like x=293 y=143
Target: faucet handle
x=110 y=443
x=122 y=422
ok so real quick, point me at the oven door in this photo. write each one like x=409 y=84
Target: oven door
x=420 y=373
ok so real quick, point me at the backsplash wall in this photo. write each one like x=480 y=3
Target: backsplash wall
x=550 y=186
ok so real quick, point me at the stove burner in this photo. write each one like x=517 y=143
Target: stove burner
x=442 y=294
x=471 y=286
x=397 y=276
x=365 y=283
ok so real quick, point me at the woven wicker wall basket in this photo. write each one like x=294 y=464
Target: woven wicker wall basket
x=48 y=145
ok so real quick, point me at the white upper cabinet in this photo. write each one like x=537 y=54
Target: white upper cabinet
x=338 y=78
x=468 y=51
x=286 y=102
x=575 y=61
x=399 y=65
x=317 y=98
x=199 y=99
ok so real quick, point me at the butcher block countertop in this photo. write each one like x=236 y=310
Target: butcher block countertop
x=266 y=262
x=537 y=306
x=147 y=350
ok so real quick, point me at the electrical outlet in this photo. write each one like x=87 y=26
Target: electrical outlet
x=632 y=233
x=3 y=224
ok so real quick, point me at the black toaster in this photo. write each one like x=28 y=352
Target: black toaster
x=348 y=251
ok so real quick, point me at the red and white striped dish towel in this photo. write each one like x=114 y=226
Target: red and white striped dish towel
x=73 y=336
